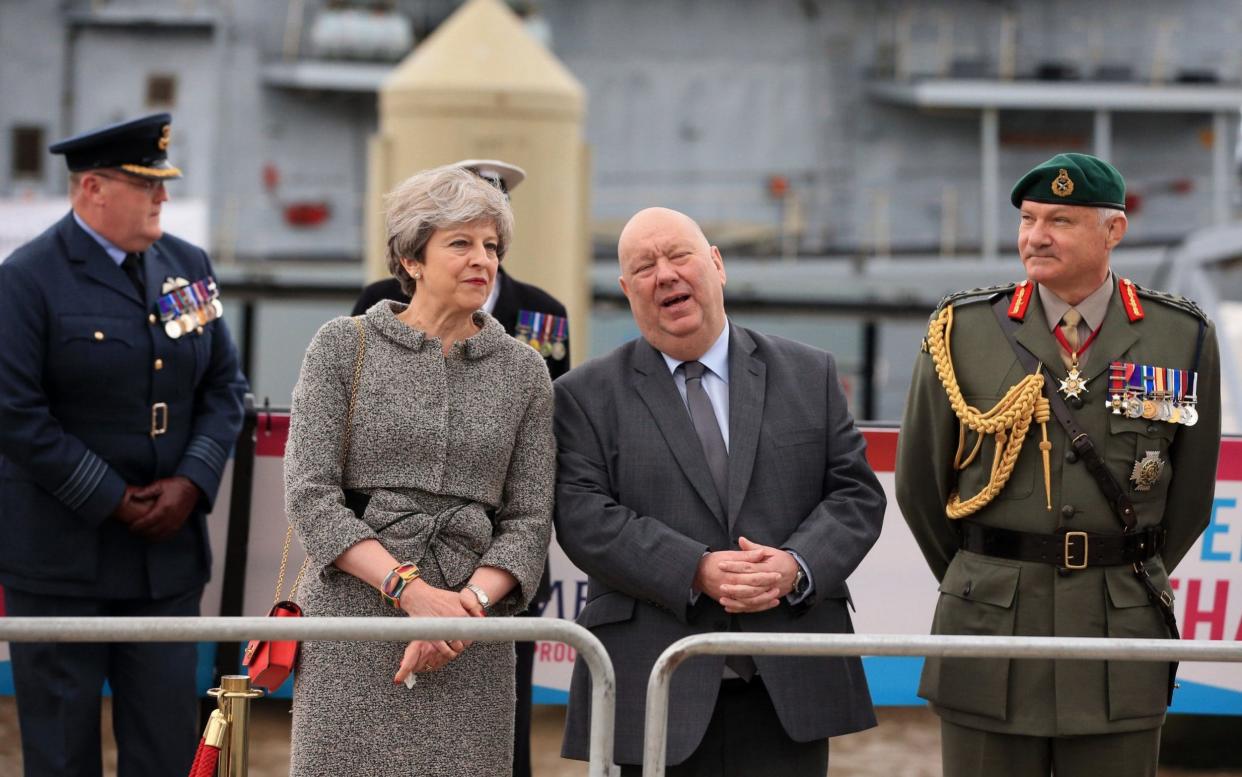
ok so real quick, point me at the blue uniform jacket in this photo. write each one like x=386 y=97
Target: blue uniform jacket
x=83 y=360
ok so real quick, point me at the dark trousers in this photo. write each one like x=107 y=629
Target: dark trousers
x=745 y=738
x=58 y=685
x=521 y=714
x=969 y=752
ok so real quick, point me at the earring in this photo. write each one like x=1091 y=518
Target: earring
x=416 y=275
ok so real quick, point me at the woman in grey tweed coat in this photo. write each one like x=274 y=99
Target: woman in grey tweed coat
x=450 y=466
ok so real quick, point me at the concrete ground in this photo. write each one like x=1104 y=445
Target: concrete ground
x=905 y=744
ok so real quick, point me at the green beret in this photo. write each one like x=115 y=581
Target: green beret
x=1072 y=179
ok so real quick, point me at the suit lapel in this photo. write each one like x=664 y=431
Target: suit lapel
x=655 y=387
x=506 y=309
x=94 y=260
x=747 y=385
x=157 y=269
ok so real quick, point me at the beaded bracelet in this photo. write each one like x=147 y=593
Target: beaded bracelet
x=396 y=581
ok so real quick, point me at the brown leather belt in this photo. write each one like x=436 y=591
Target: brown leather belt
x=1064 y=549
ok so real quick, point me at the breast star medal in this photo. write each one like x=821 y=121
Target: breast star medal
x=1147 y=471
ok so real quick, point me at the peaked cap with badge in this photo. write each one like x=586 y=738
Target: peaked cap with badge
x=117 y=373
x=1034 y=531
x=137 y=146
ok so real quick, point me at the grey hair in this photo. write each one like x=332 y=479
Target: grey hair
x=1108 y=214
x=440 y=198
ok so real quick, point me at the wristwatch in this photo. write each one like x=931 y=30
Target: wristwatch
x=480 y=594
x=799 y=586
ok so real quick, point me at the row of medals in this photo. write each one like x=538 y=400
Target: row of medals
x=1153 y=406
x=187 y=307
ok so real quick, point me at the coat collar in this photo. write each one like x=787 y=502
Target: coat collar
x=490 y=337
x=1116 y=336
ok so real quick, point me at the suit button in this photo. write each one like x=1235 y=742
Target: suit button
x=99 y=335
x=966 y=588
x=1067 y=512
x=1071 y=456
x=151 y=319
x=1075 y=402
x=1152 y=428
x=159 y=364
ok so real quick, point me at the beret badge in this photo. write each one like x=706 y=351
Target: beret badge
x=1062 y=186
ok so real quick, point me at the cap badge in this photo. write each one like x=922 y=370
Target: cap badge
x=166 y=134
x=1062 y=186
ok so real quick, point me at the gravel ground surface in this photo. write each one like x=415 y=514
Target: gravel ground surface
x=905 y=744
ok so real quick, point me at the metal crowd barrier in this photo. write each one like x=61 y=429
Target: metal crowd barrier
x=590 y=650
x=655 y=739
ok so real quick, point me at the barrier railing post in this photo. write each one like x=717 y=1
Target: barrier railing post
x=233 y=696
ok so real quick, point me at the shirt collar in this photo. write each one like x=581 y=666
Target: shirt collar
x=716 y=359
x=1093 y=308
x=114 y=253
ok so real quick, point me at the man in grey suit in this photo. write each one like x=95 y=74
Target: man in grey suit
x=710 y=478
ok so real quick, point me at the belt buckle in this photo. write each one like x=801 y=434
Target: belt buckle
x=159 y=418
x=1069 y=537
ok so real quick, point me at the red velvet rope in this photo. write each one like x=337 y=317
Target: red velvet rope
x=205 y=760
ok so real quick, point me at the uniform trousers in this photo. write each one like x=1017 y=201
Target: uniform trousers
x=745 y=738
x=969 y=752
x=58 y=686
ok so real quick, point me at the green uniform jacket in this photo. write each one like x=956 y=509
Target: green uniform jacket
x=994 y=596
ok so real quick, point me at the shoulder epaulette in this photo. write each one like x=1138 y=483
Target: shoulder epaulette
x=973 y=295
x=1174 y=300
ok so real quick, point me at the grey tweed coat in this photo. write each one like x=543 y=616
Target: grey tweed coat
x=458 y=456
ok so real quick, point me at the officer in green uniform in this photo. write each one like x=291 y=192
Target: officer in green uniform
x=1031 y=534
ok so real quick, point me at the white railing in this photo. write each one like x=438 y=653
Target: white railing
x=590 y=650
x=655 y=740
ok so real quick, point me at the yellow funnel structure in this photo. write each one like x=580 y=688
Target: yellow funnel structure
x=480 y=87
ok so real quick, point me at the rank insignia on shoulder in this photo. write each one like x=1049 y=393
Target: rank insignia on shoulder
x=972 y=295
x=1129 y=299
x=1022 y=294
x=544 y=332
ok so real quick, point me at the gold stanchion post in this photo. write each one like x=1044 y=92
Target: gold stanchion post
x=233 y=697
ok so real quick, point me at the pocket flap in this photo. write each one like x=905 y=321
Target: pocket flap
x=978 y=579
x=1152 y=429
x=611 y=607
x=1125 y=590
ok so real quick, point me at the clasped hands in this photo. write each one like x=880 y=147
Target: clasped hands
x=420 y=600
x=156 y=511
x=752 y=579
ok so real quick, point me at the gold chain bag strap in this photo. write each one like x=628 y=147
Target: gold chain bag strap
x=270 y=662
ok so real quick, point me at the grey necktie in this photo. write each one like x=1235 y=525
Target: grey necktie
x=703 y=416
x=705 y=425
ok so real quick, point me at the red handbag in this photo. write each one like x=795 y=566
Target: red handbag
x=270 y=662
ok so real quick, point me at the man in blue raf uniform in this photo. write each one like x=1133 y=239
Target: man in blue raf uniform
x=120 y=397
